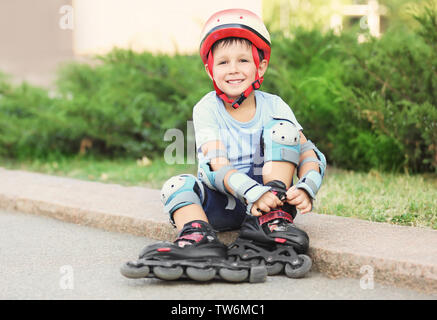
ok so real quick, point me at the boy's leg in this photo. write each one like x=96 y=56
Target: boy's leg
x=224 y=212
x=278 y=170
x=188 y=213
x=187 y=199
x=281 y=155
x=183 y=197
x=281 y=151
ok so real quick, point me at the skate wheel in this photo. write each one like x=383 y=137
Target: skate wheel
x=130 y=270
x=299 y=271
x=166 y=273
x=233 y=275
x=274 y=268
x=201 y=274
x=258 y=274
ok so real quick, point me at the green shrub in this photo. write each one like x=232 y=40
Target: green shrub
x=394 y=92
x=128 y=101
x=30 y=121
x=369 y=105
x=121 y=107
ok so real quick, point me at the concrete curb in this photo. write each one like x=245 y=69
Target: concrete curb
x=340 y=247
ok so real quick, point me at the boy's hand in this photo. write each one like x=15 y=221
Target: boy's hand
x=267 y=201
x=300 y=199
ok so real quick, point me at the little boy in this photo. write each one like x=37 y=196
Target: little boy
x=249 y=145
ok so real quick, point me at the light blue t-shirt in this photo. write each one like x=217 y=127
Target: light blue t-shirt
x=242 y=139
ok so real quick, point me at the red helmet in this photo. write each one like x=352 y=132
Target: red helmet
x=239 y=23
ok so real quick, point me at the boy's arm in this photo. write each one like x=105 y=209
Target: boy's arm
x=215 y=170
x=311 y=169
x=218 y=162
x=308 y=165
x=220 y=175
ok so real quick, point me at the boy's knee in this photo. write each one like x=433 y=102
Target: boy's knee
x=281 y=141
x=180 y=191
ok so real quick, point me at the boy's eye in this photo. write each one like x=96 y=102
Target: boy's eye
x=244 y=60
x=222 y=62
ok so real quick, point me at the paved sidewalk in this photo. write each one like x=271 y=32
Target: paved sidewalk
x=340 y=247
x=84 y=263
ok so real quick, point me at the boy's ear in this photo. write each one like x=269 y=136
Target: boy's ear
x=263 y=67
x=207 y=71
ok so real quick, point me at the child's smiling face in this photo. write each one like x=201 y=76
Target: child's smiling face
x=234 y=69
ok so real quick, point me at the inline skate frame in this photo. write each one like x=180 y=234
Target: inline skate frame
x=273 y=241
x=196 y=254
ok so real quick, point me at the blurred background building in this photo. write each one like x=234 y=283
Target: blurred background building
x=31 y=42
x=36 y=36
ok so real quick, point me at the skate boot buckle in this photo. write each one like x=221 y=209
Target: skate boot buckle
x=277 y=214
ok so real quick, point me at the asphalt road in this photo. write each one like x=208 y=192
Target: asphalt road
x=43 y=258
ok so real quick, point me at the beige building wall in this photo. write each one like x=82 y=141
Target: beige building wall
x=32 y=44
x=37 y=35
x=158 y=26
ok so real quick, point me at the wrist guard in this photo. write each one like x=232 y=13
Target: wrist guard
x=311 y=183
x=246 y=189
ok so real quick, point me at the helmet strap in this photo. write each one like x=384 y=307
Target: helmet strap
x=254 y=86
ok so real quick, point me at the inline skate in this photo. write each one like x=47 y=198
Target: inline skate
x=272 y=240
x=196 y=254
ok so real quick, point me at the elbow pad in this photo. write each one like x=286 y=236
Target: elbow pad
x=321 y=159
x=312 y=180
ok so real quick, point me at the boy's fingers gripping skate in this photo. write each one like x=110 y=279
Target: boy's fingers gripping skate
x=297 y=200
x=300 y=199
x=256 y=211
x=305 y=206
x=266 y=203
x=291 y=194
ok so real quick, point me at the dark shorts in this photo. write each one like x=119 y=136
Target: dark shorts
x=215 y=203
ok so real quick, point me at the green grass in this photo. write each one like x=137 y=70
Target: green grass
x=382 y=197
x=121 y=171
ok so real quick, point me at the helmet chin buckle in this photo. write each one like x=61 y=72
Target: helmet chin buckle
x=239 y=101
x=255 y=86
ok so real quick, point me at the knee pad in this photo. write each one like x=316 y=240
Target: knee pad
x=180 y=191
x=320 y=160
x=281 y=141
